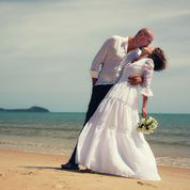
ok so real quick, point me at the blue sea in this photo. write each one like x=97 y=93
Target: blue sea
x=57 y=133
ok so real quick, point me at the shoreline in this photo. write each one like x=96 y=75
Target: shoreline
x=164 y=156
x=33 y=171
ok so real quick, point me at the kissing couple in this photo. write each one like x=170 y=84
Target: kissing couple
x=109 y=142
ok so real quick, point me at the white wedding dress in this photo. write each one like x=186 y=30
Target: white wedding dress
x=109 y=142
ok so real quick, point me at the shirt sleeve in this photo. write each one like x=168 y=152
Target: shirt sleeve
x=133 y=55
x=147 y=78
x=100 y=58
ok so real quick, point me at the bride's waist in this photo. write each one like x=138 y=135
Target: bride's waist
x=126 y=83
x=123 y=88
x=124 y=93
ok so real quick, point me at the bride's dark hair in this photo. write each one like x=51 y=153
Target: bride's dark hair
x=159 y=58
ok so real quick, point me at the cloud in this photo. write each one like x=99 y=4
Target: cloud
x=47 y=46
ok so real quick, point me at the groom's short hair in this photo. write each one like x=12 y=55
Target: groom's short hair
x=147 y=32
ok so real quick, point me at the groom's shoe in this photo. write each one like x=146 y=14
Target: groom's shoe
x=69 y=166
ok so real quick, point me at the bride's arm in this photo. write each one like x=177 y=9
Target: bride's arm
x=145 y=106
x=146 y=86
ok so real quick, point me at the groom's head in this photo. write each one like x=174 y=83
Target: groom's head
x=143 y=37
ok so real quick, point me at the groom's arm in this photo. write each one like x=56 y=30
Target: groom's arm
x=99 y=60
x=133 y=56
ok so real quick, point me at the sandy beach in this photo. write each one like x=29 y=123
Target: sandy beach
x=34 y=171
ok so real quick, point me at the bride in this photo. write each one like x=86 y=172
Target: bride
x=109 y=142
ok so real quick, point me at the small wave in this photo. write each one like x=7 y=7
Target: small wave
x=174 y=162
x=173 y=133
x=40 y=127
x=181 y=143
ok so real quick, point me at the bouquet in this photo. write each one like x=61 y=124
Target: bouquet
x=147 y=125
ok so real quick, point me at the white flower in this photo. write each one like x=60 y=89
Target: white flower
x=147 y=125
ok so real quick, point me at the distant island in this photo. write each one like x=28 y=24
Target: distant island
x=31 y=109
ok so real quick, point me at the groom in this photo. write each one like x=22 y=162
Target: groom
x=105 y=72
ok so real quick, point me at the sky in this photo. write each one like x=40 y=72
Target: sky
x=47 y=47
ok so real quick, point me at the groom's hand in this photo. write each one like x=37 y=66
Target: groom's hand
x=135 y=80
x=94 y=81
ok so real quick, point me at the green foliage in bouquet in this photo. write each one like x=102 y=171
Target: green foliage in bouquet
x=147 y=125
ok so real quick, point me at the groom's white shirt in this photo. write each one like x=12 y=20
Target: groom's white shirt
x=106 y=66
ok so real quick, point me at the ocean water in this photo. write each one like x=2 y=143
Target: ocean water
x=57 y=133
